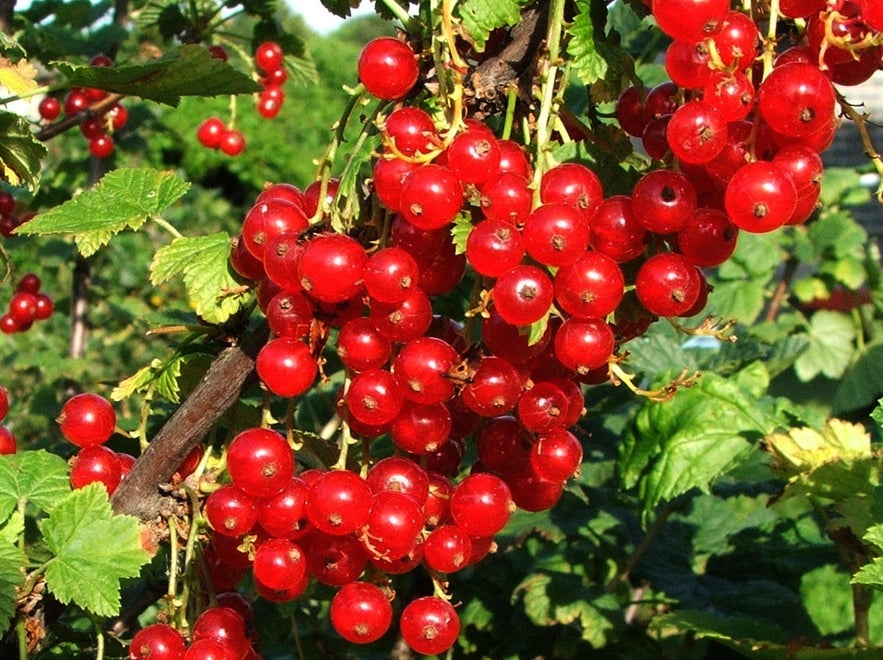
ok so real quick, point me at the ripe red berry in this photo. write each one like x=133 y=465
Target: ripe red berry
x=268 y=56
x=158 y=641
x=232 y=142
x=96 y=464
x=260 y=462
x=388 y=68
x=101 y=146
x=667 y=284
x=360 y=612
x=210 y=132
x=429 y=625
x=87 y=420
x=338 y=502
x=49 y=108
x=8 y=444
x=481 y=504
x=286 y=366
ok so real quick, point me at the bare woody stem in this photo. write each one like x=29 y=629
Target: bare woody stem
x=138 y=494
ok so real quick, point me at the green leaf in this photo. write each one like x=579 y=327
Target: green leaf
x=161 y=377
x=862 y=382
x=827 y=597
x=803 y=449
x=460 y=231
x=742 y=300
x=552 y=599
x=838 y=234
x=93 y=550
x=481 y=17
x=588 y=63
x=204 y=262
x=123 y=199
x=11 y=576
x=190 y=71
x=21 y=153
x=848 y=271
x=831 y=343
x=37 y=477
x=695 y=437
x=870 y=574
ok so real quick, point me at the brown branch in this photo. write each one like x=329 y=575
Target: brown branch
x=70 y=121
x=139 y=493
x=7 y=9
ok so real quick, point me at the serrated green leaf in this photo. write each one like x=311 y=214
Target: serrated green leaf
x=838 y=234
x=460 y=230
x=848 y=271
x=862 y=382
x=599 y=63
x=810 y=288
x=585 y=58
x=831 y=343
x=874 y=536
x=844 y=480
x=204 y=262
x=21 y=153
x=13 y=528
x=37 y=477
x=93 y=550
x=537 y=330
x=870 y=574
x=742 y=300
x=803 y=449
x=481 y=17
x=12 y=559
x=691 y=439
x=189 y=71
x=123 y=199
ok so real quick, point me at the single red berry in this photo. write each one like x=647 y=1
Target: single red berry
x=96 y=464
x=338 y=502
x=388 y=68
x=481 y=504
x=49 y=108
x=101 y=146
x=286 y=366
x=268 y=56
x=232 y=142
x=210 y=132
x=8 y=444
x=360 y=612
x=429 y=625
x=230 y=511
x=87 y=420
x=158 y=641
x=260 y=461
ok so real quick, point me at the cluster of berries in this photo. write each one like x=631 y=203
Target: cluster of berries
x=105 y=119
x=28 y=304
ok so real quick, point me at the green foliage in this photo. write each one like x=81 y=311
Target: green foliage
x=481 y=17
x=20 y=153
x=204 y=262
x=85 y=568
x=123 y=199
x=189 y=71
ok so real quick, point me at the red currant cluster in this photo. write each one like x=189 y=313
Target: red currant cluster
x=9 y=220
x=270 y=61
x=28 y=304
x=106 y=118
x=747 y=138
x=88 y=421
x=225 y=630
x=8 y=445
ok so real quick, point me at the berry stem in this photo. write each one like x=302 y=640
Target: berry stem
x=769 y=46
x=548 y=92
x=860 y=120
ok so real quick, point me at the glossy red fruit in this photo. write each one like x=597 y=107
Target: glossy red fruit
x=616 y=230
x=582 y=345
x=331 y=267
x=447 y=549
x=361 y=346
x=523 y=295
x=494 y=246
x=23 y=307
x=474 y=155
x=390 y=274
x=797 y=100
x=210 y=131
x=667 y=284
x=286 y=366
x=493 y=389
x=230 y=511
x=96 y=464
x=405 y=320
x=222 y=624
x=401 y=475
x=690 y=20
x=481 y=504
x=410 y=130
x=431 y=196
x=697 y=132
x=360 y=612
x=573 y=184
x=87 y=420
x=555 y=234
x=289 y=315
x=421 y=428
x=101 y=146
x=374 y=397
x=338 y=502
x=543 y=407
x=8 y=444
x=663 y=200
x=394 y=524
x=708 y=238
x=158 y=641
x=260 y=462
x=760 y=197
x=232 y=142
x=387 y=67
x=313 y=197
x=4 y=403
x=388 y=176
x=429 y=625
x=49 y=108
x=283 y=515
x=556 y=455
x=268 y=56
x=592 y=286
x=280 y=564
x=422 y=367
